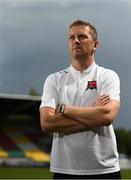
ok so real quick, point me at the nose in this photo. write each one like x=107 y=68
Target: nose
x=77 y=39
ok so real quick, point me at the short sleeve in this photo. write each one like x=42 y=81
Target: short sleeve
x=110 y=84
x=49 y=96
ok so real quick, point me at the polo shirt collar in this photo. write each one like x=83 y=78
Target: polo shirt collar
x=74 y=71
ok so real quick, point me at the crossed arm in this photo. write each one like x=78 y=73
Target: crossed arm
x=78 y=119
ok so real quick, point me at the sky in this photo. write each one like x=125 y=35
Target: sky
x=34 y=42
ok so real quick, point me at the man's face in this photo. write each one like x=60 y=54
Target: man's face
x=81 y=43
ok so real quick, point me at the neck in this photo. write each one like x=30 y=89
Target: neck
x=82 y=64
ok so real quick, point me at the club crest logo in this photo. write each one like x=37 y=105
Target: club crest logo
x=91 y=85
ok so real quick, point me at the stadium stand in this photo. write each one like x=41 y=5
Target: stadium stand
x=22 y=142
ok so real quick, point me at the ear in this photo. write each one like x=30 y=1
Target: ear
x=96 y=45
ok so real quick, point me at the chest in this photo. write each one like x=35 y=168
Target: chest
x=81 y=91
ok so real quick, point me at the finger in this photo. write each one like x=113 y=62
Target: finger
x=104 y=97
x=104 y=100
x=101 y=97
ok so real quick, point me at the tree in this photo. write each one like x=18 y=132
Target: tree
x=33 y=92
x=123 y=141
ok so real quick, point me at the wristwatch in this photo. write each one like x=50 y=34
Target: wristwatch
x=61 y=109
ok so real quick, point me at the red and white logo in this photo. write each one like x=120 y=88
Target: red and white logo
x=91 y=85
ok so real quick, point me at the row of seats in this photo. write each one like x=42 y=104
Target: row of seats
x=23 y=142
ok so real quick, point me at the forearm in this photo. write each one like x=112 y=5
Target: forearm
x=91 y=117
x=77 y=119
x=58 y=123
x=96 y=116
x=52 y=122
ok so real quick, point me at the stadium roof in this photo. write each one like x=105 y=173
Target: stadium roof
x=13 y=104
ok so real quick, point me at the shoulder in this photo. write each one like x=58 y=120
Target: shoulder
x=54 y=77
x=106 y=73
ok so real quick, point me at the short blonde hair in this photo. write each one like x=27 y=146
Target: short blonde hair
x=84 y=23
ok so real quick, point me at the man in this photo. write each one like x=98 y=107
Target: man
x=79 y=105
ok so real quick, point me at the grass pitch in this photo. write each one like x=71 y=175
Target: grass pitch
x=25 y=173
x=37 y=173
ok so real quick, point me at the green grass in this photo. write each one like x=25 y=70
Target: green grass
x=25 y=173
x=126 y=174
x=37 y=173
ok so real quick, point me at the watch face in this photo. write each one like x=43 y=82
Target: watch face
x=61 y=111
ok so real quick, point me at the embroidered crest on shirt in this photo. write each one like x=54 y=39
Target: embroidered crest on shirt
x=91 y=85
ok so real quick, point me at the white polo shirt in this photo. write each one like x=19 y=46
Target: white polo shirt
x=89 y=152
